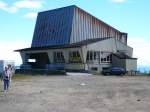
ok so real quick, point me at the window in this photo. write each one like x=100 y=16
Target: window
x=106 y=57
x=74 y=57
x=92 y=55
x=88 y=55
x=95 y=55
x=94 y=68
x=58 y=57
x=31 y=60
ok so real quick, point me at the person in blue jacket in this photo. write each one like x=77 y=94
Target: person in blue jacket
x=6 y=79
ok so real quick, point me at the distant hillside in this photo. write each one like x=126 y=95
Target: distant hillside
x=143 y=68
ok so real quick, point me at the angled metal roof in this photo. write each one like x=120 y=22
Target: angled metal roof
x=53 y=27
x=122 y=55
x=74 y=45
x=69 y=25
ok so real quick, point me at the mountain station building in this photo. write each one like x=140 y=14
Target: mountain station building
x=69 y=38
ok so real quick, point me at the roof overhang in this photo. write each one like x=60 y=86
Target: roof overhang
x=73 y=45
x=122 y=55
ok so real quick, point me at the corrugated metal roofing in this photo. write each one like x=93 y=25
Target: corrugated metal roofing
x=53 y=27
x=69 y=25
x=85 y=26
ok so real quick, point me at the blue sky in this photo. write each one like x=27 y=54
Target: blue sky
x=18 y=17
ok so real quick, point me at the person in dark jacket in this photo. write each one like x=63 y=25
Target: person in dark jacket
x=6 y=79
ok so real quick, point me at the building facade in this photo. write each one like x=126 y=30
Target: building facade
x=70 y=38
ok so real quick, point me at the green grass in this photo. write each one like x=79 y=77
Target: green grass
x=21 y=77
x=1 y=88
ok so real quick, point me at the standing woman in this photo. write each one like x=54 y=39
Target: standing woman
x=9 y=72
x=6 y=79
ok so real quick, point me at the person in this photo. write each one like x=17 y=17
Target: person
x=9 y=72
x=6 y=79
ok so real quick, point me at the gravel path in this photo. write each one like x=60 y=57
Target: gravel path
x=77 y=94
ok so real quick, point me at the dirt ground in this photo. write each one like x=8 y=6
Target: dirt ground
x=77 y=94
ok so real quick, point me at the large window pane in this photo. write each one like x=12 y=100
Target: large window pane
x=92 y=55
x=58 y=57
x=74 y=57
x=106 y=57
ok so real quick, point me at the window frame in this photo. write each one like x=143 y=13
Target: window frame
x=74 y=57
x=107 y=58
x=58 y=57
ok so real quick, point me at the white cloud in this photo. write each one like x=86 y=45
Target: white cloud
x=31 y=15
x=12 y=9
x=22 y=4
x=29 y=4
x=118 y=1
x=2 y=4
x=141 y=48
x=5 y=7
x=7 y=50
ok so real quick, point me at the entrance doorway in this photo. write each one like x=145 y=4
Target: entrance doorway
x=38 y=60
